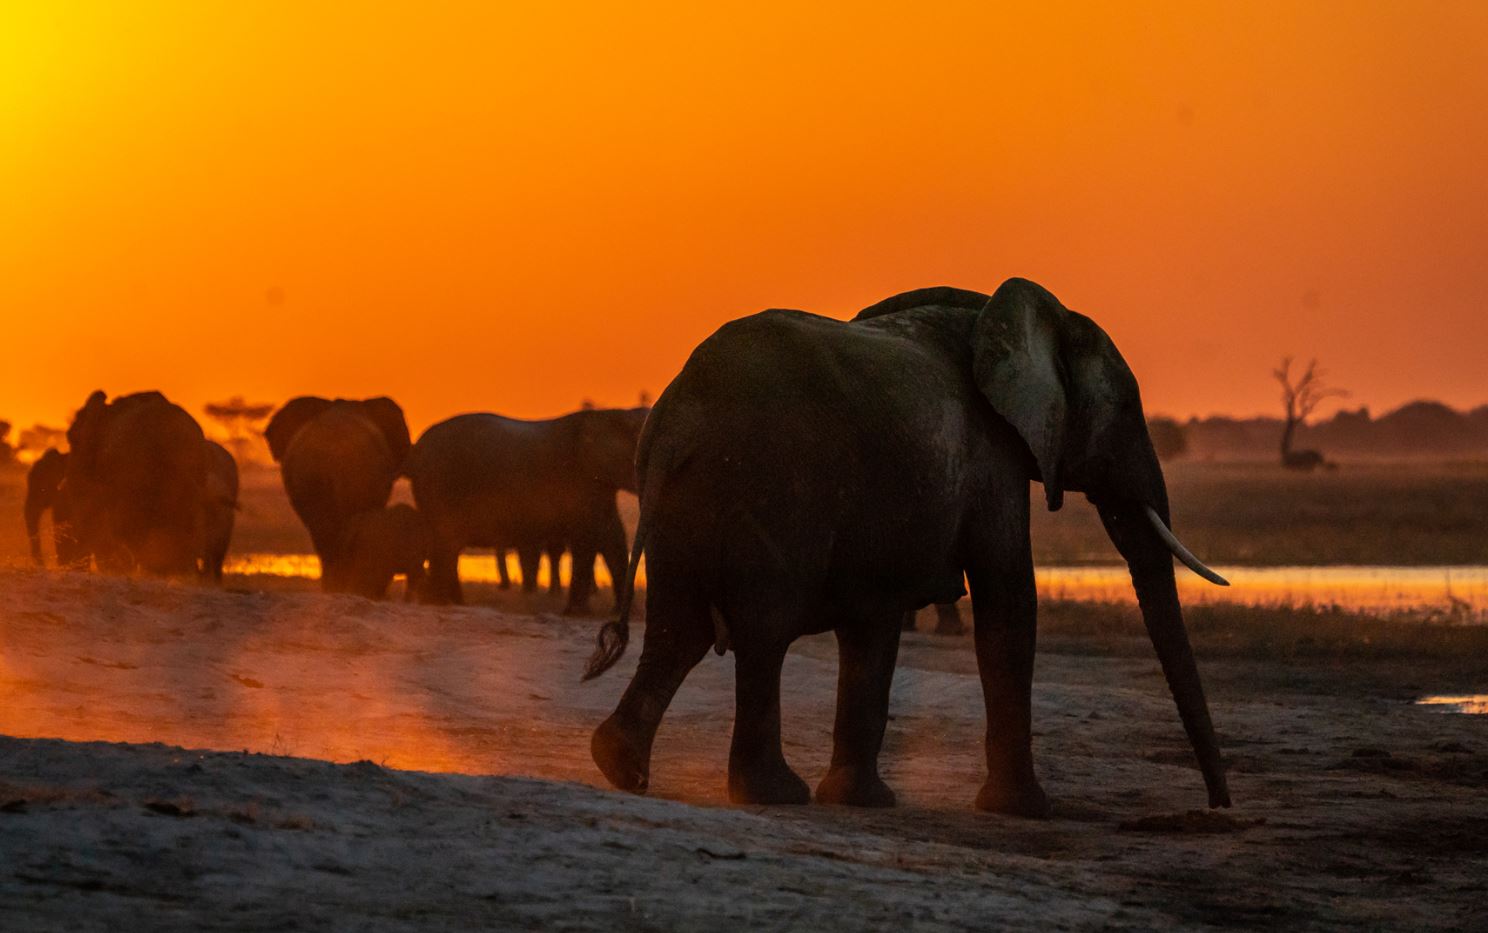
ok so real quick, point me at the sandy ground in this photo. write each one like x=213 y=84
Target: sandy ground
x=1354 y=807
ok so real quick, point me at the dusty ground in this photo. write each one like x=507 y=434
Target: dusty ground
x=1354 y=807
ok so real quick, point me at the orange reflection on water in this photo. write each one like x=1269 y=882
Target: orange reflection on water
x=1462 y=590
x=474 y=568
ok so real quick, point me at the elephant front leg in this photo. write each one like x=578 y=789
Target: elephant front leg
x=1005 y=611
x=580 y=580
x=443 y=583
x=531 y=559
x=866 y=656
x=616 y=554
x=555 y=567
x=758 y=772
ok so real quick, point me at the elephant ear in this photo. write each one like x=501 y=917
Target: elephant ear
x=288 y=420
x=1018 y=363
x=82 y=434
x=388 y=417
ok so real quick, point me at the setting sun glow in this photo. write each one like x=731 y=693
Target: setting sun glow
x=518 y=207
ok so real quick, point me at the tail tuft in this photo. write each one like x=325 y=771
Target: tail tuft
x=609 y=646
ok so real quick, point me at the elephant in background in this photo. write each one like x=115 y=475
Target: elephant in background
x=379 y=545
x=337 y=458
x=804 y=474
x=947 y=620
x=45 y=491
x=487 y=481
x=136 y=481
x=221 y=510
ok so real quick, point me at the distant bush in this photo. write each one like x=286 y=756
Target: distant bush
x=1169 y=438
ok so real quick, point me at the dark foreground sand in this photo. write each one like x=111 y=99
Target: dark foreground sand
x=1354 y=808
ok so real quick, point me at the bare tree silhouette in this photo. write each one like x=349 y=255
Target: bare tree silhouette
x=1300 y=398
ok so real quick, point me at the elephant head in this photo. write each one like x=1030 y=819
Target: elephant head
x=1057 y=378
x=380 y=544
x=43 y=491
x=607 y=444
x=1060 y=382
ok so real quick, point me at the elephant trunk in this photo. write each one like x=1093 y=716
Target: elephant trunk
x=1151 y=566
x=34 y=508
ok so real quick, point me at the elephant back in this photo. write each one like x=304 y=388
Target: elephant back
x=136 y=479
x=380 y=417
x=338 y=458
x=942 y=295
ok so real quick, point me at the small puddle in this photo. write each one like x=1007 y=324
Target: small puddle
x=1475 y=704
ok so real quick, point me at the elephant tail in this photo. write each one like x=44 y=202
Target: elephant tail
x=614 y=636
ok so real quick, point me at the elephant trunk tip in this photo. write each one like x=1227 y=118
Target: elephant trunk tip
x=1219 y=796
x=609 y=646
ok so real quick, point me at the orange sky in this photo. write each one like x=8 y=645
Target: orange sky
x=513 y=210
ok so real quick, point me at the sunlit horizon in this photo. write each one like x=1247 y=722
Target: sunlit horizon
x=515 y=211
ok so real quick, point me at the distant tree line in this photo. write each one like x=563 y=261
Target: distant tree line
x=1424 y=430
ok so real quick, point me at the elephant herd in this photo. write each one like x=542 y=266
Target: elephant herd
x=141 y=489
x=800 y=475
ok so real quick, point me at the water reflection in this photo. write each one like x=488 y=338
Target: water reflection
x=1459 y=591
x=1472 y=704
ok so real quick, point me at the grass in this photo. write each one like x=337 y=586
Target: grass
x=1262 y=515
x=1279 y=633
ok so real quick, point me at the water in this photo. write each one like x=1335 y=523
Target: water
x=1471 y=704
x=1460 y=592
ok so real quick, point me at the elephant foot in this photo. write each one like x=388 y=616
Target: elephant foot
x=624 y=763
x=850 y=786
x=772 y=783
x=1014 y=798
x=577 y=609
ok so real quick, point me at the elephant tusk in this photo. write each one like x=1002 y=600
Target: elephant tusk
x=1181 y=552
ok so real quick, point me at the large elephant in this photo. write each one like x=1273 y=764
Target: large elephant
x=221 y=510
x=487 y=481
x=381 y=544
x=46 y=491
x=136 y=483
x=803 y=474
x=337 y=458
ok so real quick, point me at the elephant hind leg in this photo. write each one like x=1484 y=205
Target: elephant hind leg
x=866 y=653
x=678 y=633
x=758 y=772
